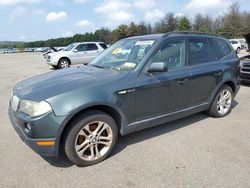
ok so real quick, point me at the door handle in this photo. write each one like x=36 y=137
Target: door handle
x=182 y=81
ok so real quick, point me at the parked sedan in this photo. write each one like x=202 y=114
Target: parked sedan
x=76 y=53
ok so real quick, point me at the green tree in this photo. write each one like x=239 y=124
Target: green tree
x=184 y=24
x=232 y=22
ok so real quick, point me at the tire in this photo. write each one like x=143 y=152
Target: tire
x=63 y=63
x=55 y=66
x=222 y=102
x=85 y=137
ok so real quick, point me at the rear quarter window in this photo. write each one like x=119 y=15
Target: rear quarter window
x=104 y=46
x=222 y=47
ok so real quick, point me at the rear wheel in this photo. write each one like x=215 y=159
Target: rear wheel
x=90 y=138
x=222 y=103
x=63 y=63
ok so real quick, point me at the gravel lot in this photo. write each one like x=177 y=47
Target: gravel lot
x=197 y=151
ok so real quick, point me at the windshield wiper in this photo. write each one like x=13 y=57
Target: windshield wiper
x=97 y=66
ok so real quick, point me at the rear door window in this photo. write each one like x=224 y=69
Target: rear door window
x=198 y=51
x=91 y=47
x=212 y=51
x=222 y=47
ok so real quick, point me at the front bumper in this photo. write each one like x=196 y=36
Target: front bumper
x=245 y=77
x=52 y=62
x=39 y=132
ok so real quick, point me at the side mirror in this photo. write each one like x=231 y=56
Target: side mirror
x=75 y=50
x=158 y=67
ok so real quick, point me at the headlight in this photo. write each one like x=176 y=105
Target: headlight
x=34 y=109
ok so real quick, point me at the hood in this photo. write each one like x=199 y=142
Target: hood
x=58 y=82
x=60 y=53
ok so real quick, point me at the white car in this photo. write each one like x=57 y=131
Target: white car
x=236 y=45
x=76 y=53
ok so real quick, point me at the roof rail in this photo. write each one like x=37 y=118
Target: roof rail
x=191 y=33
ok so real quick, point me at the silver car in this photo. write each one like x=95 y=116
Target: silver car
x=76 y=53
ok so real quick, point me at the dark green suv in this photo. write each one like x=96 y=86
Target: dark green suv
x=138 y=82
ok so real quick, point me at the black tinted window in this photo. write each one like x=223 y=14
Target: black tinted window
x=172 y=53
x=212 y=51
x=198 y=51
x=222 y=47
x=91 y=47
x=81 y=47
x=104 y=46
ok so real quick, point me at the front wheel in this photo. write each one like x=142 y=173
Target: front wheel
x=222 y=103
x=63 y=63
x=90 y=138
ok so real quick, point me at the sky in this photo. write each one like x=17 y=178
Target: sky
x=30 y=20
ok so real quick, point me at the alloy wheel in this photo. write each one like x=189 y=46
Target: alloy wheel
x=224 y=102
x=64 y=64
x=93 y=141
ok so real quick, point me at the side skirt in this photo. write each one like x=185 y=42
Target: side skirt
x=165 y=118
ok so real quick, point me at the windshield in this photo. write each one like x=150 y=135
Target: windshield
x=69 y=47
x=123 y=55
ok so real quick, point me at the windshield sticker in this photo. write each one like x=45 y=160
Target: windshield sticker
x=129 y=65
x=117 y=51
x=144 y=42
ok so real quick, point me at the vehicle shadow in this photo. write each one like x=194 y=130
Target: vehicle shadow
x=140 y=136
x=246 y=84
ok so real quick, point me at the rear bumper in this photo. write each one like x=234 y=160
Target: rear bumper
x=44 y=150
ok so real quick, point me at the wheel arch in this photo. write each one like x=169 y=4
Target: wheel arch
x=64 y=57
x=231 y=84
x=228 y=82
x=110 y=110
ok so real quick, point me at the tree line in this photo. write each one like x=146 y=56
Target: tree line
x=233 y=24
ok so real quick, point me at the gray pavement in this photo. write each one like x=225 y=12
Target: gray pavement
x=197 y=151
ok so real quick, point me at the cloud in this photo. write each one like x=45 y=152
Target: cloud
x=112 y=6
x=115 y=12
x=86 y=25
x=66 y=33
x=15 y=2
x=121 y=16
x=83 y=23
x=178 y=15
x=17 y=12
x=144 y=4
x=38 y=12
x=80 y=1
x=55 y=16
x=154 y=15
x=208 y=6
